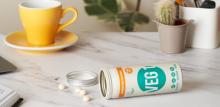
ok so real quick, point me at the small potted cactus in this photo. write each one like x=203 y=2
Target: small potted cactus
x=171 y=28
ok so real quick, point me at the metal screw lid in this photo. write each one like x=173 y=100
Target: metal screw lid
x=82 y=78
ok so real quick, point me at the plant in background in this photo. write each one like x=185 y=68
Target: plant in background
x=166 y=12
x=172 y=36
x=115 y=11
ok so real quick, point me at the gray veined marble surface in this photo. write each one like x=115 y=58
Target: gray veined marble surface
x=38 y=75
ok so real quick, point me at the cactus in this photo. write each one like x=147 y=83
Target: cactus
x=166 y=12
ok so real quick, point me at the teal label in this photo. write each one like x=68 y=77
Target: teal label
x=151 y=79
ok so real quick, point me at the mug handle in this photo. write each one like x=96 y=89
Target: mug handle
x=73 y=19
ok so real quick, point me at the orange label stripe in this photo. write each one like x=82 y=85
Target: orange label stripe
x=122 y=82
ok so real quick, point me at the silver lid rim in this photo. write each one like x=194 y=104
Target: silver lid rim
x=73 y=79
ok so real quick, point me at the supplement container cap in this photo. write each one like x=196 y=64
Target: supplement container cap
x=82 y=78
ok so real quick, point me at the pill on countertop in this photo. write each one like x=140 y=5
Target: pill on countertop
x=82 y=92
x=77 y=90
x=86 y=98
x=62 y=86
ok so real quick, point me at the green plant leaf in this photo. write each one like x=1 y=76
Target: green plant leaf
x=94 y=10
x=141 y=18
x=113 y=11
x=108 y=17
x=109 y=5
x=127 y=20
x=91 y=1
x=101 y=7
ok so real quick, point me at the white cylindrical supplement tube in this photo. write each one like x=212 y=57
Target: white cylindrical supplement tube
x=120 y=82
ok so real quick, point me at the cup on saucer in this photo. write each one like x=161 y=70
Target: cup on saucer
x=41 y=20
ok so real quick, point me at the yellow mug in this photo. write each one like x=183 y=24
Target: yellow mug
x=41 y=20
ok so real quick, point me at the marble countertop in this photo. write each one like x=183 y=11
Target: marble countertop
x=39 y=75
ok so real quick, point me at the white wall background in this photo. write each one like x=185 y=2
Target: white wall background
x=9 y=17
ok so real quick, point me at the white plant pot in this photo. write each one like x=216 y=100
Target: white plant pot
x=203 y=31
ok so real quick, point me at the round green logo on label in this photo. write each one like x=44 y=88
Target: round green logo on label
x=151 y=79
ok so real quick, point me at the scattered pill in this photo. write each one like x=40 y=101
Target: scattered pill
x=82 y=92
x=77 y=90
x=61 y=87
x=86 y=98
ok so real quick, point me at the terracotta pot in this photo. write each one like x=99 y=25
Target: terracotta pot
x=173 y=37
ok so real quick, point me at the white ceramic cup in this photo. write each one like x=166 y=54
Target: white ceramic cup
x=203 y=31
